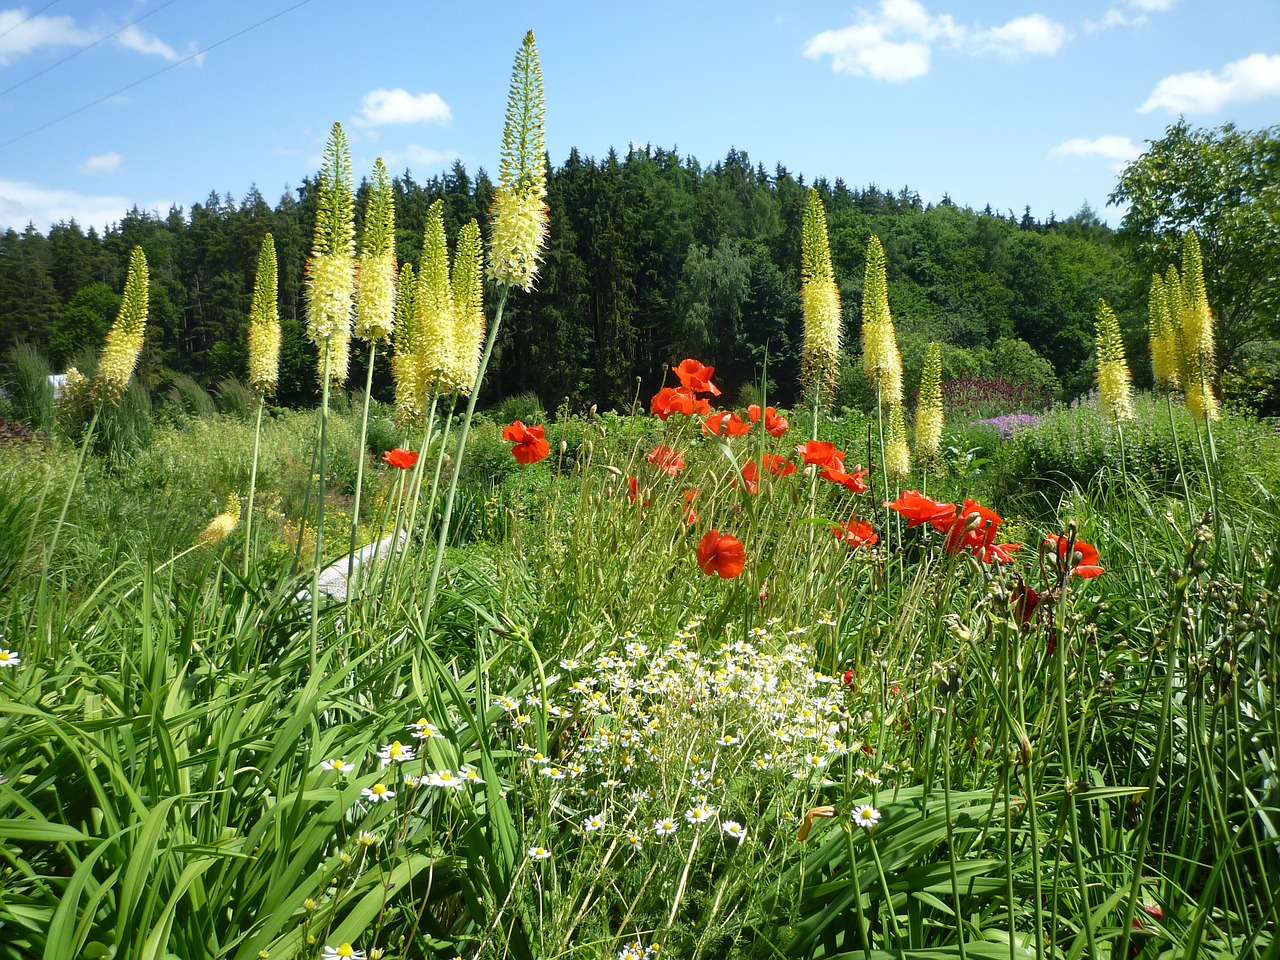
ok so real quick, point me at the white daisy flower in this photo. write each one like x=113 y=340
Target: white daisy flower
x=342 y=952
x=699 y=813
x=445 y=779
x=866 y=816
x=378 y=793
x=337 y=765
x=734 y=830
x=593 y=823
x=665 y=826
x=9 y=658
x=538 y=853
x=396 y=752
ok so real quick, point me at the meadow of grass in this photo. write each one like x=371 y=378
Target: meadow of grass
x=587 y=747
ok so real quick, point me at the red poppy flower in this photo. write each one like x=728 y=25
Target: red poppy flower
x=964 y=532
x=1084 y=558
x=750 y=477
x=1025 y=600
x=853 y=482
x=999 y=552
x=404 y=459
x=668 y=460
x=671 y=400
x=530 y=444
x=777 y=465
x=723 y=556
x=856 y=533
x=774 y=424
x=690 y=515
x=918 y=509
x=694 y=376
x=822 y=454
x=725 y=423
x=633 y=487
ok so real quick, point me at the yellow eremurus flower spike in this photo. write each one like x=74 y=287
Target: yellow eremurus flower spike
x=467 y=287
x=1113 y=371
x=433 y=308
x=1195 y=328
x=897 y=455
x=880 y=357
x=124 y=339
x=410 y=404
x=264 y=323
x=376 y=292
x=331 y=269
x=929 y=406
x=518 y=227
x=820 y=300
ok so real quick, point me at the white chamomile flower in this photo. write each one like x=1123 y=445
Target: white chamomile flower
x=378 y=793
x=866 y=816
x=367 y=838
x=570 y=664
x=507 y=703
x=635 y=841
x=538 y=853
x=632 y=951
x=445 y=779
x=665 y=826
x=552 y=773
x=734 y=830
x=9 y=658
x=699 y=813
x=396 y=752
x=471 y=775
x=424 y=729
x=337 y=765
x=593 y=823
x=342 y=952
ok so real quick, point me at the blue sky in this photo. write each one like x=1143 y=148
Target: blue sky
x=154 y=103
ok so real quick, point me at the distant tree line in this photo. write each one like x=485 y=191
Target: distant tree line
x=652 y=257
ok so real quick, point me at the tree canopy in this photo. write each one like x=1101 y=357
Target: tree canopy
x=651 y=257
x=1224 y=183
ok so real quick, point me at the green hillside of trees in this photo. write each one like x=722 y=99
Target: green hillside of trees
x=652 y=257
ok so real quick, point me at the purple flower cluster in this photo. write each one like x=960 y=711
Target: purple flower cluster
x=975 y=396
x=1009 y=424
x=12 y=431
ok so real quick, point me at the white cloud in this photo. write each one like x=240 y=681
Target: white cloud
x=131 y=38
x=1113 y=18
x=23 y=203
x=1203 y=91
x=17 y=40
x=419 y=158
x=896 y=42
x=399 y=106
x=1119 y=150
x=102 y=163
x=1154 y=6
x=1036 y=34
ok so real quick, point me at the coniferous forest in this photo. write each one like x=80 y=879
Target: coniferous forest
x=652 y=257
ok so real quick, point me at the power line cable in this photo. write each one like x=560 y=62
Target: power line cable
x=152 y=76
x=88 y=46
x=28 y=18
